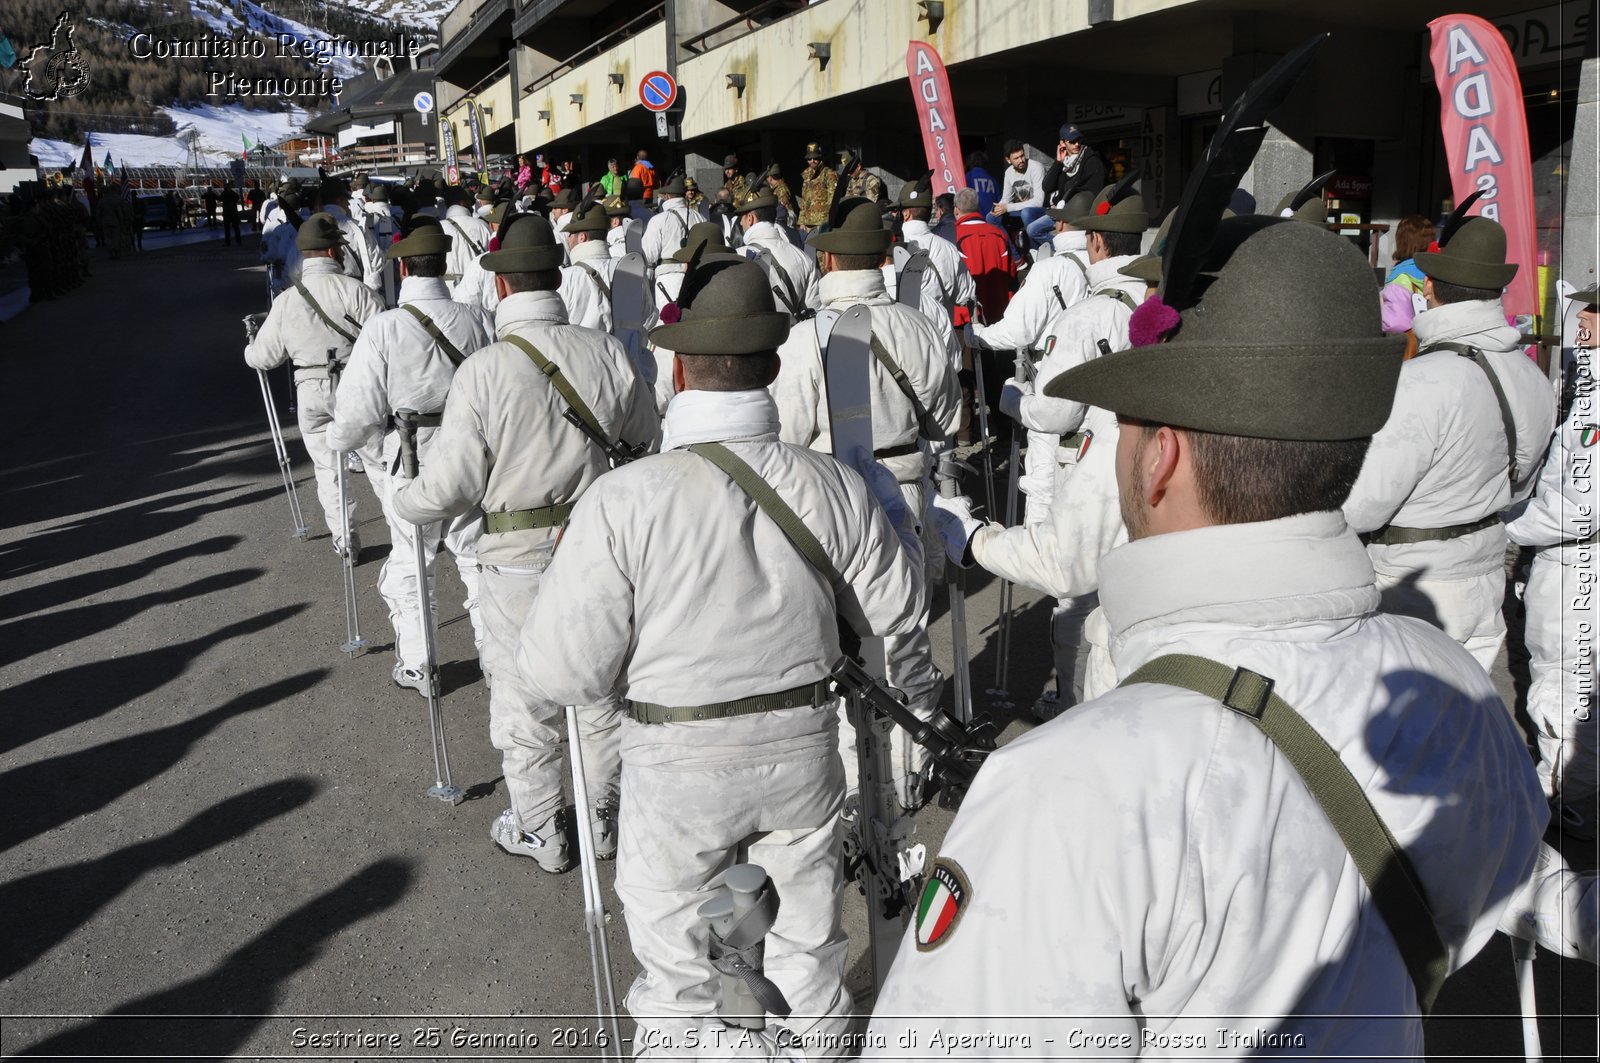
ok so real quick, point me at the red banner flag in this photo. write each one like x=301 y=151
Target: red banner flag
x=936 y=113
x=1486 y=140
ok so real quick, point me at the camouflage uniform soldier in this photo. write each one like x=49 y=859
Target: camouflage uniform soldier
x=863 y=182
x=816 y=189
x=733 y=180
x=780 y=189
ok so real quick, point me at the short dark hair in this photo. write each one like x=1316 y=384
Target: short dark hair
x=918 y=213
x=543 y=280
x=729 y=372
x=1243 y=480
x=977 y=160
x=853 y=262
x=1013 y=146
x=766 y=213
x=945 y=202
x=1447 y=293
x=1118 y=244
x=425 y=265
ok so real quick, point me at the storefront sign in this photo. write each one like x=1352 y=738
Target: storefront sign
x=1200 y=93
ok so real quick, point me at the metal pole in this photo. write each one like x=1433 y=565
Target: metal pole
x=353 y=643
x=1522 y=954
x=990 y=511
x=594 y=909
x=955 y=584
x=297 y=521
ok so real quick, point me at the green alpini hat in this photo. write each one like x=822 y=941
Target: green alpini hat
x=856 y=229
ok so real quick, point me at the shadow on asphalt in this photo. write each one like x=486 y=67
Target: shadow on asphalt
x=41 y=909
x=88 y=537
x=90 y=779
x=96 y=581
x=58 y=700
x=62 y=627
x=240 y=992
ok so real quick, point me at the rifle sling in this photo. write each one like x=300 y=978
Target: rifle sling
x=1396 y=889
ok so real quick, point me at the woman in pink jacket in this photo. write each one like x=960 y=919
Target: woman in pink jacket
x=1402 y=288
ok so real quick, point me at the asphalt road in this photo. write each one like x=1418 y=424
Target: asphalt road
x=217 y=840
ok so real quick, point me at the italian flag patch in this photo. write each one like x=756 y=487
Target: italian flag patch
x=944 y=897
x=1587 y=435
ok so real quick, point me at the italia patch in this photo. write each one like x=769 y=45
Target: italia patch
x=944 y=897
x=1588 y=434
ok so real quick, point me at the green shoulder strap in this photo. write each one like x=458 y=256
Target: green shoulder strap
x=1509 y=425
x=559 y=381
x=1396 y=890
x=761 y=493
x=925 y=423
x=1120 y=296
x=792 y=300
x=600 y=282
x=451 y=351
x=476 y=250
x=316 y=308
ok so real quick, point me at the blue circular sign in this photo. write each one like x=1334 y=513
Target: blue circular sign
x=658 y=91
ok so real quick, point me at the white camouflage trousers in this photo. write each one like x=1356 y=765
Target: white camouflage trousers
x=530 y=732
x=313 y=404
x=1466 y=609
x=682 y=822
x=398 y=580
x=1560 y=635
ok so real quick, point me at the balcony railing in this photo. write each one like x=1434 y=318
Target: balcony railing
x=761 y=15
x=628 y=29
x=482 y=83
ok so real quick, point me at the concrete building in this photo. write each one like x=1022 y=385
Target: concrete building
x=1145 y=79
x=374 y=122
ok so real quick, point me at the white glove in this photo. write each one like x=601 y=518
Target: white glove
x=1011 y=397
x=953 y=520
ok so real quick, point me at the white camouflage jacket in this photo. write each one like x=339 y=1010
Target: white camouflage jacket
x=1440 y=459
x=363 y=260
x=1148 y=868
x=666 y=232
x=505 y=444
x=802 y=395
x=1563 y=508
x=396 y=365
x=465 y=229
x=588 y=301
x=1052 y=286
x=670 y=588
x=799 y=268
x=294 y=332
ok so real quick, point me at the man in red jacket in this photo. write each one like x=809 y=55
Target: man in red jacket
x=987 y=252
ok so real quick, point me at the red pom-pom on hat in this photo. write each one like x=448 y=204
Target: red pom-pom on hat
x=494 y=242
x=1433 y=247
x=1104 y=208
x=670 y=314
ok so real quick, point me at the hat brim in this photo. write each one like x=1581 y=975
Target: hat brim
x=321 y=243
x=1487 y=275
x=1258 y=390
x=523 y=260
x=435 y=243
x=748 y=334
x=1146 y=268
x=1589 y=297
x=852 y=241
x=1131 y=222
x=1059 y=214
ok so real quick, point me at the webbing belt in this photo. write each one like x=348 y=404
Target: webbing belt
x=1506 y=422
x=316 y=308
x=885 y=359
x=1120 y=296
x=325 y=371
x=527 y=519
x=810 y=694
x=1396 y=890
x=1391 y=535
x=901 y=451
x=451 y=351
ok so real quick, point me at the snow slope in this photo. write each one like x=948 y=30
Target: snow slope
x=218 y=130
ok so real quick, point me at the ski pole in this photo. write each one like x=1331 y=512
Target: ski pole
x=955 y=584
x=353 y=643
x=594 y=908
x=442 y=788
x=1522 y=954
x=983 y=428
x=297 y=521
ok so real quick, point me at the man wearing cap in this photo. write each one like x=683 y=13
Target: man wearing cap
x=947 y=270
x=469 y=238
x=729 y=749
x=1471 y=420
x=619 y=213
x=363 y=259
x=916 y=405
x=506 y=449
x=705 y=241
x=586 y=284
x=817 y=183
x=1560 y=601
x=732 y=180
x=669 y=227
x=792 y=271
x=1154 y=860
x=314 y=324
x=860 y=182
x=405 y=359
x=773 y=180
x=1078 y=168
